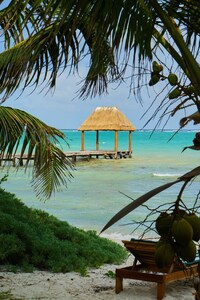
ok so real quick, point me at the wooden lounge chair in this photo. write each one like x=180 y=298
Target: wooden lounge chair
x=145 y=269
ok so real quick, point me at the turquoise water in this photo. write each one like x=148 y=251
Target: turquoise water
x=94 y=195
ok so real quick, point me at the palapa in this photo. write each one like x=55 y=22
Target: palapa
x=107 y=119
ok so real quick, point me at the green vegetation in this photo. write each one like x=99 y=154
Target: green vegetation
x=110 y=274
x=138 y=43
x=8 y=296
x=31 y=238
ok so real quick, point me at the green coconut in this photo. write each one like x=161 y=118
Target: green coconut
x=173 y=79
x=164 y=255
x=163 y=240
x=154 y=79
x=189 y=90
x=182 y=231
x=157 y=67
x=187 y=252
x=163 y=224
x=194 y=221
x=175 y=93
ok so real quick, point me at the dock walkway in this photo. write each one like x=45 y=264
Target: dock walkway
x=98 y=153
x=17 y=160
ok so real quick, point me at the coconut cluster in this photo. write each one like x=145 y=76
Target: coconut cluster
x=177 y=89
x=155 y=74
x=178 y=234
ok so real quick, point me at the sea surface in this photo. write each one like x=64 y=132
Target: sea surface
x=101 y=187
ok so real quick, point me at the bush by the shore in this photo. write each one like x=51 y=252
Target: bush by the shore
x=32 y=239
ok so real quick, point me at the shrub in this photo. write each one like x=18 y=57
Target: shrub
x=32 y=238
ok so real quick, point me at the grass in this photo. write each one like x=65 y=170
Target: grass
x=32 y=239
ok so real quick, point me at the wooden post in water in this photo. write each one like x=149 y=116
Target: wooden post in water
x=130 y=144
x=82 y=140
x=116 y=143
x=97 y=142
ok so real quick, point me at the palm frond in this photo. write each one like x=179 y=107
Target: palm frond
x=43 y=56
x=51 y=36
x=187 y=13
x=23 y=134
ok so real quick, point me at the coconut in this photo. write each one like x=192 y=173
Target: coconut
x=163 y=224
x=189 y=90
x=187 y=252
x=157 y=67
x=173 y=79
x=175 y=93
x=194 y=221
x=154 y=79
x=182 y=231
x=164 y=255
x=163 y=240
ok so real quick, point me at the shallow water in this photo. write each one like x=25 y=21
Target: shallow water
x=95 y=193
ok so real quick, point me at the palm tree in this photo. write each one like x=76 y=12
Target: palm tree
x=46 y=37
x=53 y=36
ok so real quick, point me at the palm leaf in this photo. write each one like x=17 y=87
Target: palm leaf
x=44 y=55
x=113 y=32
x=22 y=133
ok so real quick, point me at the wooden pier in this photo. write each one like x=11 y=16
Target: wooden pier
x=98 y=153
x=17 y=160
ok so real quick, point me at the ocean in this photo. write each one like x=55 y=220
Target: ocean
x=101 y=187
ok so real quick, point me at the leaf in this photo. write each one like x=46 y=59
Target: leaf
x=51 y=167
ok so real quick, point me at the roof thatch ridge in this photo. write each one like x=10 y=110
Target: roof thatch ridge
x=107 y=118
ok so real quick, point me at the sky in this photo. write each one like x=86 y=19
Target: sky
x=62 y=108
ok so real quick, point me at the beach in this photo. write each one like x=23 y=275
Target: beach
x=70 y=286
x=96 y=285
x=93 y=196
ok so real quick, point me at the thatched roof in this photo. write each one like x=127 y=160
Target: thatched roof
x=107 y=118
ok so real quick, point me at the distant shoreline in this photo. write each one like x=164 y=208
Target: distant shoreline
x=143 y=130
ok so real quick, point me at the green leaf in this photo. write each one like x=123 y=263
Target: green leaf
x=51 y=168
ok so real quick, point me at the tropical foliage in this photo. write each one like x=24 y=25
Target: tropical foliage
x=144 y=42
x=52 y=36
x=33 y=239
x=22 y=132
x=120 y=38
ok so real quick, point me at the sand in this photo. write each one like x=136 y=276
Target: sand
x=96 y=285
